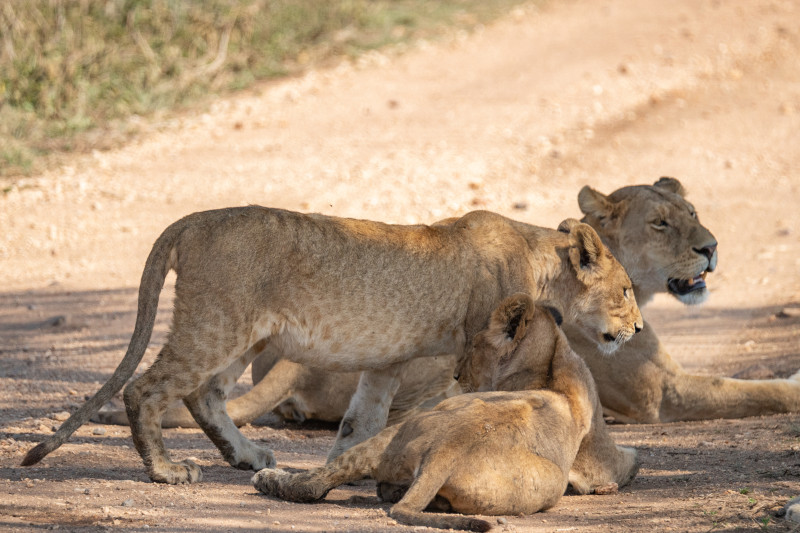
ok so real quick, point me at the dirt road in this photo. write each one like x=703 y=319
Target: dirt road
x=515 y=118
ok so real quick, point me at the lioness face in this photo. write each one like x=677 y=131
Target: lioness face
x=656 y=234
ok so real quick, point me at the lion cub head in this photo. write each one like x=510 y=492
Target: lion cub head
x=603 y=304
x=515 y=349
x=523 y=348
x=656 y=234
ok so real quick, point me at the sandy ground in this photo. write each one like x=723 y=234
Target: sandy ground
x=515 y=118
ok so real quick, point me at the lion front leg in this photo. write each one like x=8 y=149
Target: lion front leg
x=357 y=463
x=692 y=397
x=369 y=408
x=600 y=463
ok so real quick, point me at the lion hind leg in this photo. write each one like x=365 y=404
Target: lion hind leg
x=176 y=416
x=273 y=385
x=146 y=399
x=693 y=397
x=207 y=405
x=276 y=386
x=410 y=509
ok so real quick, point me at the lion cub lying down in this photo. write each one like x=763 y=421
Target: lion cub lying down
x=495 y=453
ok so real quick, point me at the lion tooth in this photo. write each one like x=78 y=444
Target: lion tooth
x=703 y=275
x=691 y=282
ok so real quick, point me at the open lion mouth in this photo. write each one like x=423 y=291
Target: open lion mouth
x=685 y=286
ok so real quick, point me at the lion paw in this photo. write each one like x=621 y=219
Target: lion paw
x=286 y=486
x=270 y=481
x=185 y=471
x=608 y=488
x=253 y=458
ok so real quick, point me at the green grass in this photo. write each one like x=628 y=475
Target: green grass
x=71 y=67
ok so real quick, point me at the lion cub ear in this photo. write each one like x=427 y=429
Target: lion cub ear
x=510 y=320
x=586 y=248
x=671 y=185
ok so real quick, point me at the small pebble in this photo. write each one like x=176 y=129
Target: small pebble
x=99 y=431
x=127 y=503
x=63 y=415
x=502 y=521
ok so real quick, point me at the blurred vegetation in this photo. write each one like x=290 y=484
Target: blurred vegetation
x=71 y=71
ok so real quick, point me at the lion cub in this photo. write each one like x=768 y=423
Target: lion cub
x=495 y=453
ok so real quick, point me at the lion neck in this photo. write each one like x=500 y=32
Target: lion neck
x=555 y=279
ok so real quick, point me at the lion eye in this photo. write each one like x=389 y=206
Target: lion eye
x=659 y=224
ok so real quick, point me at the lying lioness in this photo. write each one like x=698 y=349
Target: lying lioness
x=339 y=294
x=489 y=453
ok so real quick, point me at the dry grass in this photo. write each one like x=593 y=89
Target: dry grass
x=72 y=71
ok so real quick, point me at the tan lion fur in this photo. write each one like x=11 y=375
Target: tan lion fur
x=339 y=294
x=508 y=451
x=641 y=382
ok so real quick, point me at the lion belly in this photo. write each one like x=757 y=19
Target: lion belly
x=351 y=342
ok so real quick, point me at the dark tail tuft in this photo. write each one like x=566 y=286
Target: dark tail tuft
x=37 y=453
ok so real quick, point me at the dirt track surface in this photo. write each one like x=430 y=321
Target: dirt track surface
x=515 y=119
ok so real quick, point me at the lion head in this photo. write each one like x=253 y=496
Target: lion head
x=605 y=308
x=655 y=233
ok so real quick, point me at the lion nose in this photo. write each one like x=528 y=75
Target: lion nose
x=707 y=251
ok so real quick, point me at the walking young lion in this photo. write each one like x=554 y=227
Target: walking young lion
x=656 y=235
x=339 y=294
x=505 y=452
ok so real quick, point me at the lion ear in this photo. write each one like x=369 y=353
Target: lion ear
x=671 y=185
x=510 y=320
x=586 y=248
x=594 y=203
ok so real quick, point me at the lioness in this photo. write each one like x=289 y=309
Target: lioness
x=340 y=294
x=489 y=452
x=656 y=235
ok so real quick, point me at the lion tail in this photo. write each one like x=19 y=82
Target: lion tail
x=431 y=475
x=438 y=520
x=160 y=261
